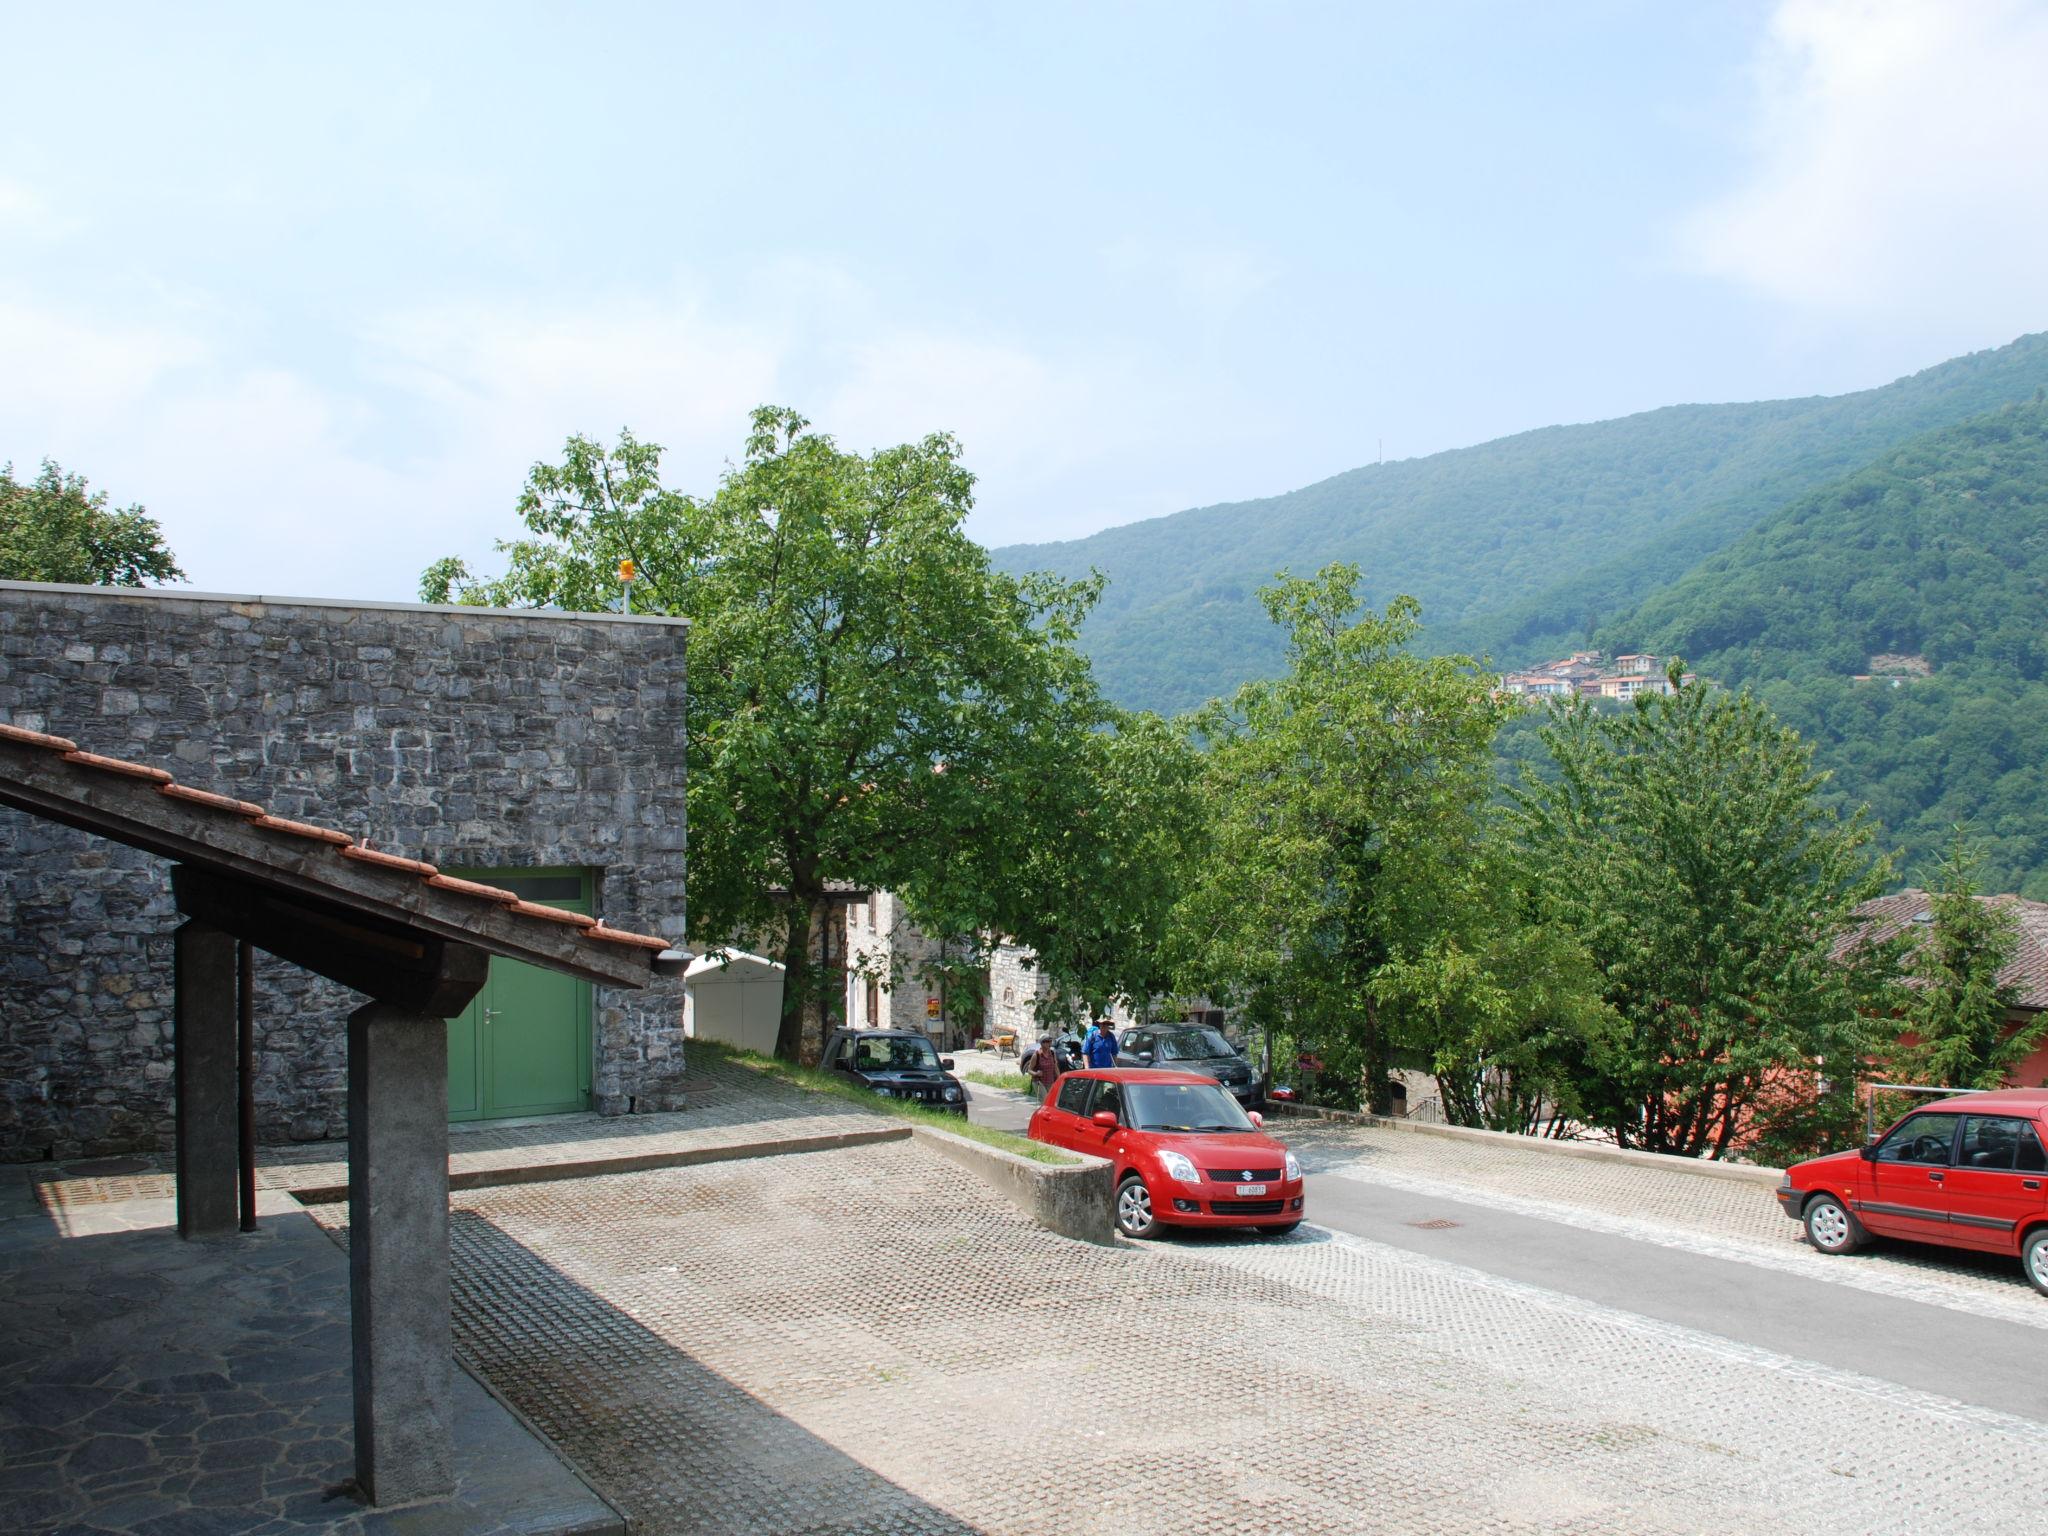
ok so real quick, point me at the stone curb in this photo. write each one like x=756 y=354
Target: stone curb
x=636 y=1162
x=1074 y=1200
x=1742 y=1173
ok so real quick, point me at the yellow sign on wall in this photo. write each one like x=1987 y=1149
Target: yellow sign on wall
x=931 y=1007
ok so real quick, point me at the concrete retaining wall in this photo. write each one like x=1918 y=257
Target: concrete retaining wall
x=1746 y=1173
x=1074 y=1200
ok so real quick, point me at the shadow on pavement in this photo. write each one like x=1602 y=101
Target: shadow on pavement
x=676 y=1446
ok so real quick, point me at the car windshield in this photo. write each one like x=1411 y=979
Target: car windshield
x=1183 y=1107
x=1191 y=1045
x=898 y=1053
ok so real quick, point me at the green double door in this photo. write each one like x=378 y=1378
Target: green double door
x=523 y=1046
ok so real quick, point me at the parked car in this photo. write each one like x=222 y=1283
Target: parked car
x=1192 y=1048
x=897 y=1064
x=1967 y=1172
x=1185 y=1152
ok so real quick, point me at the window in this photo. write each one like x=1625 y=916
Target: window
x=1999 y=1142
x=1186 y=1107
x=1074 y=1095
x=1109 y=1096
x=1192 y=1045
x=1922 y=1139
x=1138 y=1042
x=896 y=1053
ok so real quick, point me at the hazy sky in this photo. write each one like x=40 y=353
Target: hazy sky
x=316 y=284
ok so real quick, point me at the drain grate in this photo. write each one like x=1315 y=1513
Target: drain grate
x=1436 y=1224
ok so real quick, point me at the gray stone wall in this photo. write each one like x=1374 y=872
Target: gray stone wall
x=470 y=738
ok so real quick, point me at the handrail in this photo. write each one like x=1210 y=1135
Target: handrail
x=1870 y=1104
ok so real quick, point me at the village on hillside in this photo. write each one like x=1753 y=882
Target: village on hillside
x=1585 y=672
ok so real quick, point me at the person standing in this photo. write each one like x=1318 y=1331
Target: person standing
x=1045 y=1067
x=1100 y=1047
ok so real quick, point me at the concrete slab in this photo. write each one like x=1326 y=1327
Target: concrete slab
x=156 y=1386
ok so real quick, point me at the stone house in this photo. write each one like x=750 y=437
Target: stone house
x=894 y=978
x=542 y=750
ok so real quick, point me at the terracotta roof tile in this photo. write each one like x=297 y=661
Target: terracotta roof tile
x=390 y=861
x=117 y=765
x=553 y=914
x=215 y=802
x=69 y=752
x=36 y=739
x=303 y=829
x=620 y=936
x=472 y=888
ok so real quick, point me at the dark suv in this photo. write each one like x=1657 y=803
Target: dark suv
x=897 y=1064
x=1191 y=1048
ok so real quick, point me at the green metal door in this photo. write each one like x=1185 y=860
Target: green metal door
x=522 y=1047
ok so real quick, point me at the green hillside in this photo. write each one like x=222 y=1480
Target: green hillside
x=1935 y=555
x=1514 y=546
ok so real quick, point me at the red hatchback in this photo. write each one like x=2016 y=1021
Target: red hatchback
x=1967 y=1172
x=1186 y=1153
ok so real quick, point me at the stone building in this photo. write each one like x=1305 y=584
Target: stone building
x=893 y=979
x=542 y=749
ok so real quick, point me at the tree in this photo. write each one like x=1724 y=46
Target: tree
x=1685 y=845
x=1957 y=1009
x=1507 y=1008
x=1094 y=886
x=1332 y=793
x=53 y=529
x=867 y=698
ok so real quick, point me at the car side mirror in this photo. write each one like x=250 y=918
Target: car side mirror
x=1106 y=1118
x=1257 y=1118
x=1145 y=1057
x=1870 y=1153
x=946 y=1062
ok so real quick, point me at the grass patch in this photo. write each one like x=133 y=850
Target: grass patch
x=1016 y=1082
x=832 y=1085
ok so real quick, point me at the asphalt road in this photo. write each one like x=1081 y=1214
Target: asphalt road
x=1976 y=1360
x=993 y=1107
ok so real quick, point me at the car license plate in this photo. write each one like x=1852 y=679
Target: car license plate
x=1251 y=1189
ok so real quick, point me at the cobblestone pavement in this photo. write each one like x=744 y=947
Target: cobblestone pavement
x=1714 y=1217
x=727 y=1103
x=866 y=1341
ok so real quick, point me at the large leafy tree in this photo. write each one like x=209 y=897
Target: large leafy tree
x=1957 y=1009
x=53 y=528
x=868 y=698
x=1333 y=792
x=1685 y=844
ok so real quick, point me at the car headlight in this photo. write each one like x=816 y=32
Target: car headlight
x=884 y=1090
x=952 y=1094
x=1178 y=1167
x=1293 y=1167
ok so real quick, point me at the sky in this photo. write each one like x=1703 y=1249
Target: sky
x=317 y=286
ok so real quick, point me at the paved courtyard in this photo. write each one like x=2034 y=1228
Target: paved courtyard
x=865 y=1341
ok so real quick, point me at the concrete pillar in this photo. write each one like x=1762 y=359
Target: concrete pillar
x=398 y=1253
x=203 y=1087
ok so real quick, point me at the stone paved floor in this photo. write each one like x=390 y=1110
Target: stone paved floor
x=166 y=1388
x=864 y=1341
x=726 y=1104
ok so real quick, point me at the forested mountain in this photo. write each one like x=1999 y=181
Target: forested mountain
x=1933 y=560
x=1515 y=547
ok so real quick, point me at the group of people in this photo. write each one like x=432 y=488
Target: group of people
x=1043 y=1064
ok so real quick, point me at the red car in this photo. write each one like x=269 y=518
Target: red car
x=1967 y=1172
x=1186 y=1153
